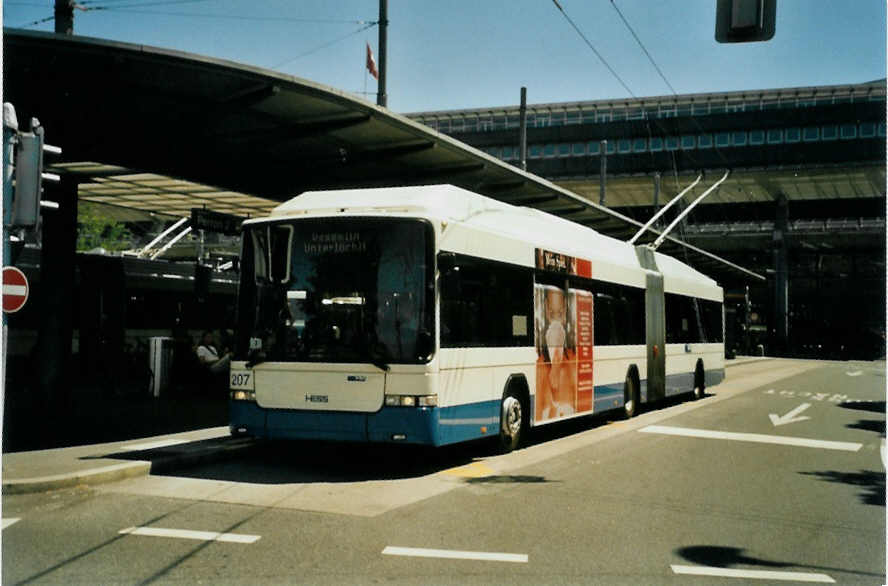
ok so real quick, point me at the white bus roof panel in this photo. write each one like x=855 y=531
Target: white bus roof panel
x=612 y=259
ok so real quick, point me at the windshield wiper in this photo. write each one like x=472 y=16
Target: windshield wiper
x=378 y=355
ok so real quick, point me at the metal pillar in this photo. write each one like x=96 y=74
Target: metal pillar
x=602 y=188
x=522 y=128
x=52 y=354
x=656 y=191
x=781 y=276
x=381 y=96
x=64 y=17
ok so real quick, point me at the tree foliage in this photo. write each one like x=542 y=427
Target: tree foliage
x=97 y=230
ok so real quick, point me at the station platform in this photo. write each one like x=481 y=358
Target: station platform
x=131 y=452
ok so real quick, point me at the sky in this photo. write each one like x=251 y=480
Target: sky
x=478 y=53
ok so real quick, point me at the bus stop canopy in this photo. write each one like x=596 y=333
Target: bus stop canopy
x=165 y=131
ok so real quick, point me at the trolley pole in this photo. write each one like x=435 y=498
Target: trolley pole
x=381 y=96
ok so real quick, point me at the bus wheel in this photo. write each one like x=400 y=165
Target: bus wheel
x=630 y=396
x=511 y=424
x=699 y=382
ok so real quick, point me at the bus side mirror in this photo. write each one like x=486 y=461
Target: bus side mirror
x=425 y=345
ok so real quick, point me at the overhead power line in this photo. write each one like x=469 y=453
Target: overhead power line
x=36 y=22
x=324 y=46
x=242 y=17
x=640 y=44
x=594 y=50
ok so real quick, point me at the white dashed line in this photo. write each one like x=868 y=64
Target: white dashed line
x=753 y=437
x=456 y=555
x=187 y=534
x=4 y=523
x=753 y=574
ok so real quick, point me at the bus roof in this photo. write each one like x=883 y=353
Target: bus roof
x=449 y=203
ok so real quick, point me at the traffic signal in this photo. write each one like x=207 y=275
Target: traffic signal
x=745 y=21
x=29 y=176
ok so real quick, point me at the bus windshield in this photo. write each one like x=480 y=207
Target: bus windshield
x=352 y=290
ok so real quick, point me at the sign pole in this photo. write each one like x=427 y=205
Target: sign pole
x=10 y=131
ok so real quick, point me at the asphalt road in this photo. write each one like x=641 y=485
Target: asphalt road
x=776 y=476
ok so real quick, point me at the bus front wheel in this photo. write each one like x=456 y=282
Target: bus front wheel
x=512 y=426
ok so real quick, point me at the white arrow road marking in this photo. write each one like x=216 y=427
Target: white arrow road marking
x=791 y=416
x=456 y=555
x=854 y=373
x=753 y=437
x=884 y=455
x=753 y=574
x=186 y=534
x=7 y=522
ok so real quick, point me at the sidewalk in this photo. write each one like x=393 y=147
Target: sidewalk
x=91 y=435
x=44 y=470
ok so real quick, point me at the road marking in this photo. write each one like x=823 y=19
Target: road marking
x=154 y=445
x=753 y=437
x=456 y=555
x=753 y=574
x=854 y=373
x=7 y=522
x=884 y=453
x=187 y=534
x=473 y=470
x=789 y=417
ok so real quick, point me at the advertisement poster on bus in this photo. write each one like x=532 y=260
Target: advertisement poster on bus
x=564 y=322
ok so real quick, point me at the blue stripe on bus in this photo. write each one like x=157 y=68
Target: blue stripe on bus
x=426 y=426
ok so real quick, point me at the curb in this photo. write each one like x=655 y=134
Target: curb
x=225 y=449
x=101 y=475
x=730 y=363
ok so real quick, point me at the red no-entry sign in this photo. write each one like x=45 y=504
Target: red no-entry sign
x=15 y=289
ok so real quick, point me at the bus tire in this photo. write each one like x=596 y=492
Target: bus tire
x=631 y=396
x=699 y=381
x=513 y=424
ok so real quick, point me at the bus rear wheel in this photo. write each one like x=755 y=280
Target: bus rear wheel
x=699 y=382
x=630 y=396
x=512 y=425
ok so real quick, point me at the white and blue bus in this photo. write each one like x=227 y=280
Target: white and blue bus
x=433 y=315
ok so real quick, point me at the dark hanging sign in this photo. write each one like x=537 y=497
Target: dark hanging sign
x=211 y=221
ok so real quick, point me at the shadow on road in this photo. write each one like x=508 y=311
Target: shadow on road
x=730 y=557
x=289 y=462
x=872 y=406
x=508 y=479
x=724 y=557
x=873 y=483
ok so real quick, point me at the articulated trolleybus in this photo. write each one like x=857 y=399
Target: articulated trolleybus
x=433 y=315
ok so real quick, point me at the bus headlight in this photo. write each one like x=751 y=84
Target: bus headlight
x=243 y=396
x=411 y=401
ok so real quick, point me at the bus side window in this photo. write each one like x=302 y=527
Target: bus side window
x=481 y=301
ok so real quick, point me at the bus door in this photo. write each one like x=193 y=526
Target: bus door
x=656 y=337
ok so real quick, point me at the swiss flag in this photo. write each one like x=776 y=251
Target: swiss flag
x=371 y=63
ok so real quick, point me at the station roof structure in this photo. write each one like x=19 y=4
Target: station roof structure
x=164 y=131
